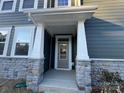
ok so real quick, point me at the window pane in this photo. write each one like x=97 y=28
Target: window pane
x=1 y=48
x=3 y=35
x=50 y=3
x=28 y=4
x=21 y=49
x=81 y=2
x=23 y=35
x=7 y=5
x=62 y=2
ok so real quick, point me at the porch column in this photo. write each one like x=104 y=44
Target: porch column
x=36 y=61
x=38 y=45
x=83 y=67
x=82 y=52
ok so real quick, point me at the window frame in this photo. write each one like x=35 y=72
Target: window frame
x=30 y=42
x=11 y=10
x=8 y=29
x=23 y=9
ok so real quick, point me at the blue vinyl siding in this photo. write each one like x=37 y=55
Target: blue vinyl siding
x=105 y=31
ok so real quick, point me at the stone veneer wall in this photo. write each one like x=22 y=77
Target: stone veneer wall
x=23 y=68
x=13 y=68
x=97 y=66
x=83 y=75
x=35 y=73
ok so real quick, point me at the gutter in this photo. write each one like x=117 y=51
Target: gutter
x=61 y=10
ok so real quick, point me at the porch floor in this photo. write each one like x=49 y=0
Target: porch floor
x=59 y=80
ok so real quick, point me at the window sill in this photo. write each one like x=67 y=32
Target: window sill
x=14 y=57
x=7 y=11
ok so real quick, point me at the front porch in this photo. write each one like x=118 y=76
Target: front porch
x=59 y=81
x=60 y=41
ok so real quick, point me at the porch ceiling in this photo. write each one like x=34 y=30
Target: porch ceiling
x=66 y=15
x=61 y=29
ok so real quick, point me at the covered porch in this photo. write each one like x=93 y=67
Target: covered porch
x=61 y=41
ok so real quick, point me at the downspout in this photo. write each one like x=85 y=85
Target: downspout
x=32 y=19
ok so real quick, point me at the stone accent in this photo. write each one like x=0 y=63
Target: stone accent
x=110 y=65
x=23 y=68
x=35 y=73
x=13 y=68
x=83 y=75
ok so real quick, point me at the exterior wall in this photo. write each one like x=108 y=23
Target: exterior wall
x=13 y=68
x=105 y=30
x=47 y=51
x=14 y=18
x=88 y=73
x=17 y=18
x=110 y=65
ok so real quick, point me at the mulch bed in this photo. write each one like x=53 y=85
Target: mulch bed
x=7 y=86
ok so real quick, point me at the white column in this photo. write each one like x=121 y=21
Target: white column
x=45 y=3
x=82 y=51
x=38 y=47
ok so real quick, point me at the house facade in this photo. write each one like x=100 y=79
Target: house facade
x=83 y=36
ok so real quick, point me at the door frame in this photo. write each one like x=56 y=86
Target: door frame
x=56 y=51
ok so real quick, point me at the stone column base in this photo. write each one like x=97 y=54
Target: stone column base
x=35 y=73
x=83 y=75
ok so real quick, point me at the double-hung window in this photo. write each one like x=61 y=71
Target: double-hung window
x=23 y=41
x=7 y=5
x=4 y=38
x=28 y=4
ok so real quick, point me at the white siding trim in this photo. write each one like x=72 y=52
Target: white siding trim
x=13 y=7
x=21 y=5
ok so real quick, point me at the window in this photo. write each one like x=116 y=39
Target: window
x=4 y=38
x=23 y=40
x=28 y=4
x=62 y=2
x=8 y=5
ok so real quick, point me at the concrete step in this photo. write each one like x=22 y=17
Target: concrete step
x=58 y=86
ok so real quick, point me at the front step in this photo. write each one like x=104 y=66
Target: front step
x=58 y=81
x=58 y=86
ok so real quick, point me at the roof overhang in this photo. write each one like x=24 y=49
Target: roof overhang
x=68 y=14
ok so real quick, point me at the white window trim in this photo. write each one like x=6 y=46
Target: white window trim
x=70 y=52
x=8 y=29
x=23 y=9
x=13 y=7
x=30 y=44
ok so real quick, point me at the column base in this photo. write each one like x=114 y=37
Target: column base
x=83 y=75
x=35 y=74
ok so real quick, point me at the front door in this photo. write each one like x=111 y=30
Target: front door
x=63 y=53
